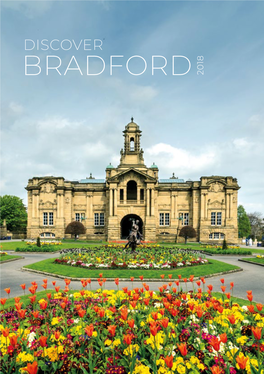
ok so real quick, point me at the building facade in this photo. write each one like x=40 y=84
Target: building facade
x=107 y=207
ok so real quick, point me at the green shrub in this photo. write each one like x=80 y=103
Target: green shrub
x=38 y=242
x=224 y=246
x=35 y=248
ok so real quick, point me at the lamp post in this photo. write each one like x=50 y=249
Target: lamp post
x=180 y=218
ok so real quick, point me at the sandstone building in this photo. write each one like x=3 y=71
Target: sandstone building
x=130 y=191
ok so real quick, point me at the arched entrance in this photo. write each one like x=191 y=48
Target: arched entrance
x=126 y=224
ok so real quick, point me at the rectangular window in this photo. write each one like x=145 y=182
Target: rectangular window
x=141 y=194
x=50 y=218
x=186 y=219
x=77 y=217
x=121 y=194
x=164 y=219
x=82 y=216
x=99 y=219
x=213 y=218
x=45 y=218
x=219 y=219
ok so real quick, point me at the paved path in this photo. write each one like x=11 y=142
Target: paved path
x=251 y=278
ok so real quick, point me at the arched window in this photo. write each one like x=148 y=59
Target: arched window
x=131 y=190
x=132 y=144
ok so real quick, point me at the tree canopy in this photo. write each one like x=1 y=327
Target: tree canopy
x=14 y=212
x=244 y=227
x=75 y=228
x=256 y=222
x=187 y=232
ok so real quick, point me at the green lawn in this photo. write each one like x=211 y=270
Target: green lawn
x=76 y=272
x=8 y=257
x=254 y=259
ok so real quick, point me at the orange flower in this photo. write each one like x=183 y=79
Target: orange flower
x=259 y=307
x=45 y=280
x=32 y=290
x=3 y=300
x=57 y=288
x=198 y=283
x=5 y=332
x=231 y=285
x=216 y=370
x=256 y=332
x=179 y=276
x=191 y=278
x=67 y=282
x=162 y=276
x=57 y=334
x=88 y=280
x=223 y=337
x=101 y=275
x=232 y=319
x=133 y=303
x=13 y=340
x=23 y=286
x=22 y=313
x=63 y=305
x=141 y=277
x=43 y=305
x=199 y=312
x=44 y=286
x=89 y=330
x=42 y=341
x=17 y=299
x=222 y=280
x=81 y=312
x=32 y=368
x=112 y=329
x=210 y=287
x=183 y=348
x=128 y=339
x=117 y=281
x=228 y=295
x=18 y=306
x=165 y=322
x=202 y=279
x=242 y=362
x=7 y=290
x=250 y=297
x=53 y=283
x=101 y=313
x=131 y=323
x=132 y=278
x=223 y=288
x=154 y=315
x=251 y=308
x=215 y=343
x=124 y=314
x=169 y=361
x=146 y=286
x=170 y=276
x=49 y=295
x=35 y=314
x=153 y=329
x=146 y=301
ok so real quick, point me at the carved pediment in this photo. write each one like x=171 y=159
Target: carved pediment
x=47 y=204
x=216 y=187
x=80 y=206
x=131 y=173
x=47 y=187
x=215 y=204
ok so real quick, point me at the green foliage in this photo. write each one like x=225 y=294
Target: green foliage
x=216 y=251
x=244 y=227
x=38 y=242
x=14 y=212
x=75 y=228
x=187 y=232
x=42 y=248
x=224 y=246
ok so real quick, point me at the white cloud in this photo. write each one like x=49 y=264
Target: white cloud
x=242 y=144
x=30 y=8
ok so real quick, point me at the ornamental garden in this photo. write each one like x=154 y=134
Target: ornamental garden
x=182 y=327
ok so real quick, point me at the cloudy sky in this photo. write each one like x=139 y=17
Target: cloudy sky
x=71 y=124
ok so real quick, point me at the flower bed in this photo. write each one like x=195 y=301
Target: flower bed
x=146 y=257
x=46 y=246
x=231 y=250
x=132 y=331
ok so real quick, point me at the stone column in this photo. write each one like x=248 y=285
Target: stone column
x=138 y=195
x=148 y=202
x=202 y=205
x=230 y=205
x=111 y=202
x=152 y=207
x=227 y=205
x=115 y=202
x=205 y=205
x=88 y=206
x=125 y=194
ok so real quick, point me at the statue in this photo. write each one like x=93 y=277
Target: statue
x=134 y=237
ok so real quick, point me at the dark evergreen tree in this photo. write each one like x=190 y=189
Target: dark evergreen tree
x=187 y=232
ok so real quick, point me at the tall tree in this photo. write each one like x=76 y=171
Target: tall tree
x=244 y=227
x=256 y=222
x=75 y=228
x=14 y=212
x=187 y=232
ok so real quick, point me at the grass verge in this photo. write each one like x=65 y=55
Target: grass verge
x=255 y=259
x=8 y=257
x=49 y=266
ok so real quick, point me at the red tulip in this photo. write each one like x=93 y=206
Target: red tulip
x=53 y=283
x=3 y=300
x=117 y=281
x=231 y=285
x=124 y=314
x=191 y=278
x=32 y=368
x=112 y=329
x=153 y=329
x=5 y=332
x=141 y=277
x=101 y=275
x=251 y=308
x=228 y=295
x=179 y=276
x=44 y=286
x=146 y=301
x=169 y=361
x=210 y=287
x=7 y=290
x=131 y=323
x=128 y=339
x=170 y=276
x=42 y=341
x=165 y=322
x=13 y=340
x=35 y=314
x=101 y=313
x=23 y=286
x=57 y=288
x=133 y=303
x=132 y=278
x=250 y=297
x=162 y=276
x=242 y=362
x=198 y=283
x=43 y=305
x=222 y=280
x=216 y=370
x=18 y=306
x=232 y=319
x=259 y=307
x=45 y=280
x=49 y=295
x=183 y=348
x=81 y=312
x=57 y=334
x=215 y=343
x=223 y=337
x=257 y=332
x=89 y=330
x=67 y=282
x=32 y=299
